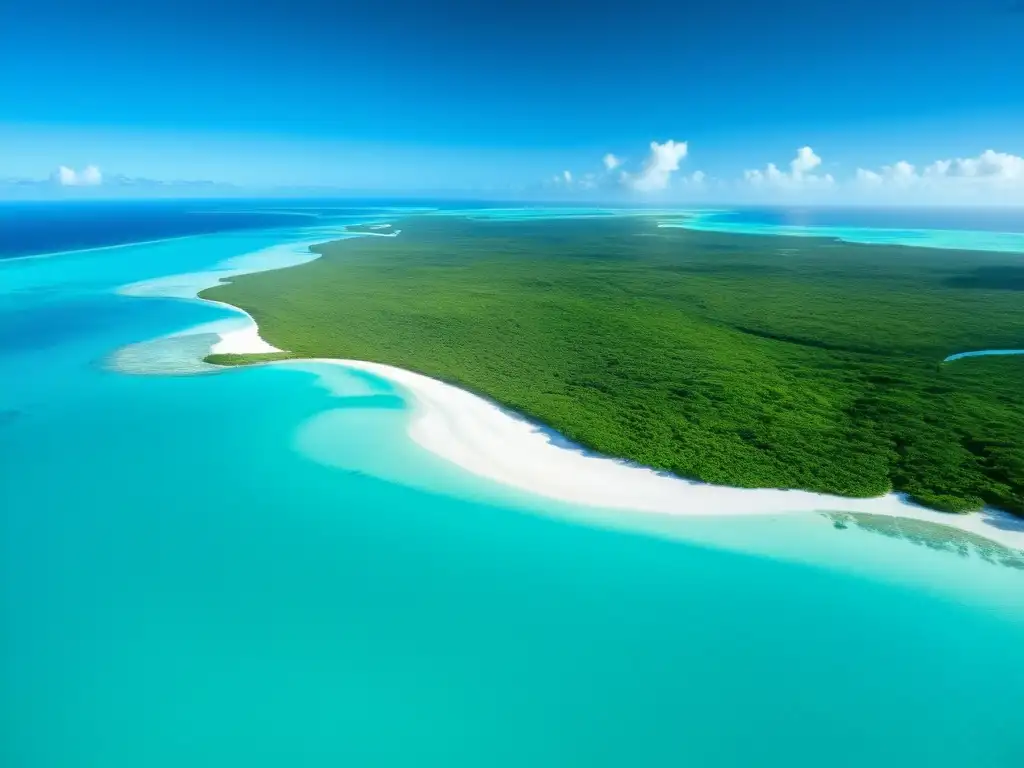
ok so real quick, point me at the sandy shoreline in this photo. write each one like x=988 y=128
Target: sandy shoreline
x=485 y=439
x=489 y=441
x=239 y=334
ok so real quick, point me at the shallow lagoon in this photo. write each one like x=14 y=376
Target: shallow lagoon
x=257 y=567
x=883 y=229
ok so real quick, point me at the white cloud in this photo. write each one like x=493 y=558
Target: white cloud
x=759 y=177
x=988 y=165
x=90 y=176
x=991 y=176
x=869 y=178
x=655 y=175
x=657 y=172
x=899 y=174
x=804 y=162
x=801 y=173
x=563 y=179
x=66 y=177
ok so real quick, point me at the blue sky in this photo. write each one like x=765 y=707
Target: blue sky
x=501 y=98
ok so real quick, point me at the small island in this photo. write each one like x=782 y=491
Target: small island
x=740 y=360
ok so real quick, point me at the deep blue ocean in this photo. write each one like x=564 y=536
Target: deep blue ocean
x=258 y=567
x=28 y=228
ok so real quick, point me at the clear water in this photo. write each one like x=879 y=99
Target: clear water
x=958 y=229
x=258 y=568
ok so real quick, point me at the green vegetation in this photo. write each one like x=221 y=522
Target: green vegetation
x=740 y=360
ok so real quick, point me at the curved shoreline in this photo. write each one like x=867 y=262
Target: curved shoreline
x=483 y=438
x=489 y=441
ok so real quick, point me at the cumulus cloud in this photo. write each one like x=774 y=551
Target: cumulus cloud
x=804 y=162
x=90 y=176
x=869 y=178
x=656 y=174
x=989 y=175
x=899 y=174
x=988 y=165
x=661 y=163
x=801 y=173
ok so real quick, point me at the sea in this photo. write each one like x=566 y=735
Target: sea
x=974 y=229
x=258 y=567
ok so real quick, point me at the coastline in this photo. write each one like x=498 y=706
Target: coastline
x=940 y=239
x=239 y=334
x=489 y=441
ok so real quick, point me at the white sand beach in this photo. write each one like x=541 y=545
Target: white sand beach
x=238 y=334
x=492 y=442
x=488 y=440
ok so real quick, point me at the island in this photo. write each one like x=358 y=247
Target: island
x=741 y=360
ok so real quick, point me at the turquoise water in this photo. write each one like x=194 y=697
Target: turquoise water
x=931 y=237
x=983 y=353
x=258 y=568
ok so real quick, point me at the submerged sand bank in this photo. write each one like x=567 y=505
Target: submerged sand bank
x=237 y=334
